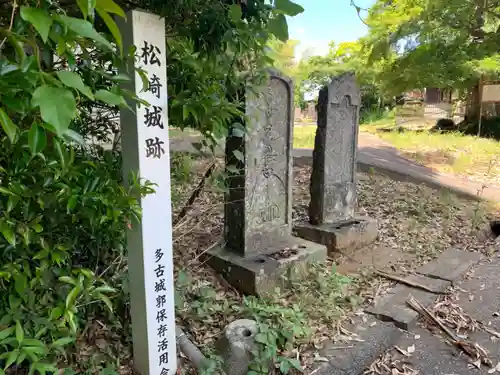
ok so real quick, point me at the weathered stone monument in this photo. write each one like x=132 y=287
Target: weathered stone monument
x=259 y=248
x=332 y=219
x=145 y=148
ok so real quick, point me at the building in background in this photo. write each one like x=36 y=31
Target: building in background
x=308 y=114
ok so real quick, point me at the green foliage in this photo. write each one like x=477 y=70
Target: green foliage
x=283 y=317
x=319 y=295
x=64 y=209
x=62 y=233
x=372 y=115
x=317 y=71
x=221 y=51
x=201 y=101
x=433 y=43
x=278 y=329
x=323 y=294
x=181 y=167
x=52 y=236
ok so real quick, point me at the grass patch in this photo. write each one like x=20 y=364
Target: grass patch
x=303 y=135
x=176 y=132
x=449 y=152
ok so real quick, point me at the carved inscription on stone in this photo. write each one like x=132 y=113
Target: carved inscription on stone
x=269 y=214
x=333 y=186
x=340 y=134
x=340 y=166
x=268 y=169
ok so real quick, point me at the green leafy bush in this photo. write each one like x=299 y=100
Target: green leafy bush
x=63 y=209
x=63 y=217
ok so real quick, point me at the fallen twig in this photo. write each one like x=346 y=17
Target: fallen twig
x=195 y=194
x=388 y=364
x=473 y=350
x=455 y=317
x=402 y=280
x=422 y=310
x=490 y=331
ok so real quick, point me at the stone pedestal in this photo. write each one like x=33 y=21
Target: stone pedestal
x=347 y=235
x=259 y=249
x=332 y=221
x=261 y=274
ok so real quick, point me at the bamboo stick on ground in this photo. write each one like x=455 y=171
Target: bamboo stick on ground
x=473 y=350
x=405 y=281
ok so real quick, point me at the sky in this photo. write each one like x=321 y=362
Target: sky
x=323 y=21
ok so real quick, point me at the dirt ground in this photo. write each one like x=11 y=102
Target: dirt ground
x=415 y=224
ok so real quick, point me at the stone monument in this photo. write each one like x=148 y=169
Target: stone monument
x=332 y=219
x=259 y=248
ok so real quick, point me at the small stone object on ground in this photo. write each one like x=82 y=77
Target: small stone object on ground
x=236 y=346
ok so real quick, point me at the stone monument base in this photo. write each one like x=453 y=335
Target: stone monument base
x=343 y=235
x=260 y=274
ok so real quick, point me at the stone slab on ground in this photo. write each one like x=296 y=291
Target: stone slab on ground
x=353 y=357
x=478 y=297
x=433 y=355
x=450 y=265
x=480 y=294
x=393 y=308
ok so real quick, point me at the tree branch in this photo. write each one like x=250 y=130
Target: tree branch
x=195 y=194
x=14 y=7
x=358 y=10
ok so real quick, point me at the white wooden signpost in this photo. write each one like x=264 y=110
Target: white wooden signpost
x=145 y=149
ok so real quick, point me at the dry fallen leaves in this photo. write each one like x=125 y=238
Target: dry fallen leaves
x=494 y=369
x=477 y=353
x=454 y=316
x=390 y=363
x=415 y=223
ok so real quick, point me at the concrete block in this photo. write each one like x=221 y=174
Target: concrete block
x=236 y=346
x=345 y=235
x=392 y=307
x=450 y=265
x=263 y=273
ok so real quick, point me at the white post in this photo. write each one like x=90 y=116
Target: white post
x=145 y=149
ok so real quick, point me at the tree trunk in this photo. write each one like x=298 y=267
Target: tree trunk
x=473 y=105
